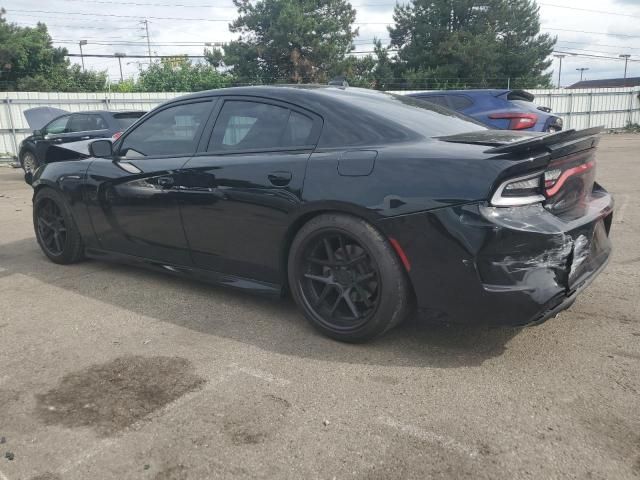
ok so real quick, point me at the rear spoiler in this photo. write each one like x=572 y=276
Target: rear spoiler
x=538 y=142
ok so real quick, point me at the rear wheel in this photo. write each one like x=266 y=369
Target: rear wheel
x=29 y=162
x=346 y=278
x=55 y=228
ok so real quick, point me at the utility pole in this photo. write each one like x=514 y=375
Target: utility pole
x=81 y=43
x=146 y=28
x=626 y=61
x=560 y=56
x=119 y=56
x=582 y=70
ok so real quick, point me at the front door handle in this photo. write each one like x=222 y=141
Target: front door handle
x=279 y=179
x=165 y=182
x=85 y=138
x=57 y=140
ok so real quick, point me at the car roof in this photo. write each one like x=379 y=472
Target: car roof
x=480 y=91
x=357 y=116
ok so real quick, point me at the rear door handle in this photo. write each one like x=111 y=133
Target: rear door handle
x=279 y=179
x=85 y=138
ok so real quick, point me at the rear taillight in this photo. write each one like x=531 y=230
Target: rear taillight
x=116 y=136
x=561 y=172
x=519 y=191
x=517 y=121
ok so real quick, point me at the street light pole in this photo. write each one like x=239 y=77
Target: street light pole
x=626 y=61
x=581 y=70
x=119 y=56
x=560 y=69
x=81 y=43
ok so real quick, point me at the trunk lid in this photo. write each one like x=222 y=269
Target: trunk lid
x=565 y=161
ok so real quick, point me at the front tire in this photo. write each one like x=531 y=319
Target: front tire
x=347 y=279
x=28 y=162
x=56 y=231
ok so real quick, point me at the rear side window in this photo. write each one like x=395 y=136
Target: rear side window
x=459 y=102
x=172 y=131
x=85 y=122
x=125 y=120
x=249 y=125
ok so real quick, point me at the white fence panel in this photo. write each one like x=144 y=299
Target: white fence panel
x=612 y=108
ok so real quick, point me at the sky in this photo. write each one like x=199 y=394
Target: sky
x=583 y=27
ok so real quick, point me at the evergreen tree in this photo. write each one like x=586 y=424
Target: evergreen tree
x=471 y=43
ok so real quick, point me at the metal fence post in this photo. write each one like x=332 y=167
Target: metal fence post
x=12 y=126
x=630 y=120
x=590 y=108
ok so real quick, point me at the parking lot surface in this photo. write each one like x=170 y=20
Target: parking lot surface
x=111 y=372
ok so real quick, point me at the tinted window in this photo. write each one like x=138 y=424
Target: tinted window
x=125 y=120
x=246 y=125
x=59 y=125
x=82 y=122
x=459 y=102
x=172 y=131
x=436 y=99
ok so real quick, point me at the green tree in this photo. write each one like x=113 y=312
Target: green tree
x=295 y=41
x=29 y=61
x=471 y=42
x=180 y=75
x=370 y=71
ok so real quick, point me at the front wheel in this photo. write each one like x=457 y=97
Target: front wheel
x=29 y=162
x=346 y=278
x=56 y=231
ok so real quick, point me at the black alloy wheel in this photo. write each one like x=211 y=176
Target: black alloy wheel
x=52 y=230
x=55 y=229
x=339 y=280
x=346 y=278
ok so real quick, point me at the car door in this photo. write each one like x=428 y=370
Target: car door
x=133 y=198
x=51 y=134
x=239 y=193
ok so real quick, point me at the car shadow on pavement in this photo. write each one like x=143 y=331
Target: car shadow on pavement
x=270 y=324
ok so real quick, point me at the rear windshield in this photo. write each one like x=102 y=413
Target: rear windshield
x=424 y=118
x=125 y=120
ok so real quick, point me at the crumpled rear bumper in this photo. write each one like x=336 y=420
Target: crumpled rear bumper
x=476 y=263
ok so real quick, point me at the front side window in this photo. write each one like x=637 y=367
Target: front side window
x=59 y=125
x=248 y=125
x=172 y=131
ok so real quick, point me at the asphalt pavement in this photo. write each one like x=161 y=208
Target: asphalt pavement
x=112 y=372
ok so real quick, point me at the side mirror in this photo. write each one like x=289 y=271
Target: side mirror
x=37 y=133
x=101 y=148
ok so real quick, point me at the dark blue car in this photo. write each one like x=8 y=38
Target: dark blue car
x=504 y=109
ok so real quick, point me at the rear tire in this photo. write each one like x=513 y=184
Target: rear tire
x=28 y=162
x=347 y=279
x=56 y=231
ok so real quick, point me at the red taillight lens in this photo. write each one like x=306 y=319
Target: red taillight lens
x=557 y=175
x=116 y=136
x=517 y=121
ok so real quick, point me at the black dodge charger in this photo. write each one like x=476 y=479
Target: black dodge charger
x=363 y=205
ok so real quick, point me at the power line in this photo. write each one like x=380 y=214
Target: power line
x=159 y=18
x=605 y=12
x=592 y=33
